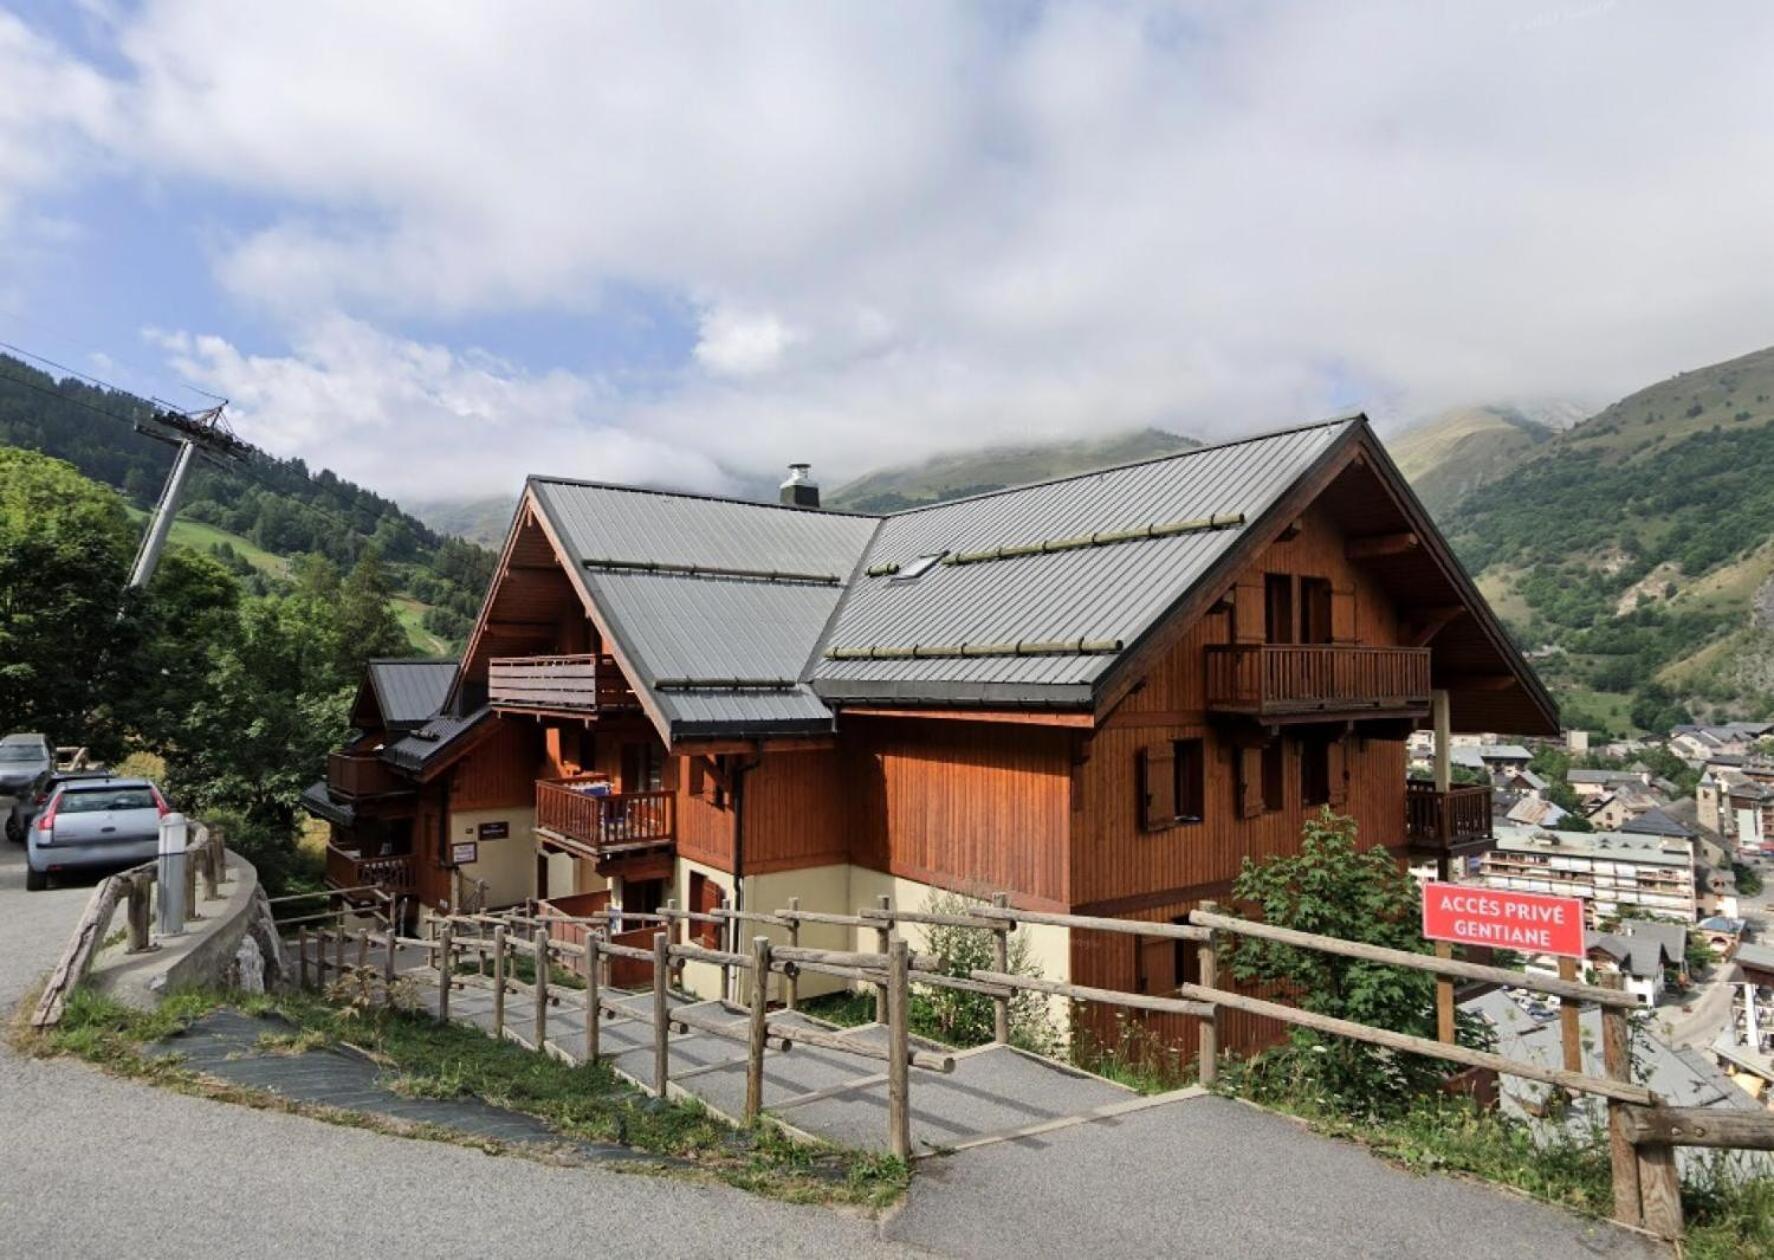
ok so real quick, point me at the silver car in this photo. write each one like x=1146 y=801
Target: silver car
x=26 y=762
x=92 y=824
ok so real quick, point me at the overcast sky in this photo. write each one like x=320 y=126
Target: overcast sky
x=437 y=246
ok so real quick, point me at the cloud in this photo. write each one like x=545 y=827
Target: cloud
x=902 y=228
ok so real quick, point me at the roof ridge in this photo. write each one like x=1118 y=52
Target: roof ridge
x=1342 y=419
x=582 y=484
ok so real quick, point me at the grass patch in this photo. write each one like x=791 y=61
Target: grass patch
x=428 y=1060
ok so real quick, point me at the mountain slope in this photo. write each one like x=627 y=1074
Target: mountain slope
x=1633 y=549
x=944 y=477
x=247 y=515
x=1459 y=450
x=481 y=521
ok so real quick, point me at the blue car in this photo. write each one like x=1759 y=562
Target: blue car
x=93 y=824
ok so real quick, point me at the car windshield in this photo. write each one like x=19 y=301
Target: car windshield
x=20 y=752
x=93 y=802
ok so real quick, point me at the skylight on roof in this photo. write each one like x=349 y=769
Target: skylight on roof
x=912 y=570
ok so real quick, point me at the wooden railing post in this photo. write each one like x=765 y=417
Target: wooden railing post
x=388 y=958
x=208 y=860
x=899 y=1117
x=138 y=914
x=499 y=983
x=301 y=952
x=363 y=950
x=791 y=978
x=1569 y=1030
x=883 y=936
x=1207 y=1061
x=760 y=1011
x=592 y=968
x=1001 y=964
x=1444 y=998
x=1617 y=1065
x=1660 y=1189
x=445 y=965
x=661 y=1013
x=339 y=950
x=540 y=942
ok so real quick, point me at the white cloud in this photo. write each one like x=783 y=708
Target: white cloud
x=930 y=225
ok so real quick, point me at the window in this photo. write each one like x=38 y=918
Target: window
x=1315 y=610
x=706 y=897
x=1278 y=607
x=1185 y=957
x=912 y=570
x=1172 y=782
x=1315 y=771
x=643 y=768
x=1274 y=762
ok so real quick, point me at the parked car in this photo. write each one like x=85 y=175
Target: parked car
x=26 y=762
x=94 y=823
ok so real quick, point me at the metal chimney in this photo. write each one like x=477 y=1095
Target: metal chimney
x=800 y=490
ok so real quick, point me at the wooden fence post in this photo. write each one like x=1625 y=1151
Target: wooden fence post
x=883 y=938
x=301 y=950
x=1660 y=1189
x=191 y=884
x=791 y=978
x=1444 y=998
x=363 y=950
x=137 y=915
x=210 y=879
x=339 y=950
x=760 y=1012
x=1617 y=1065
x=1569 y=1030
x=499 y=983
x=445 y=964
x=592 y=967
x=540 y=939
x=1207 y=1057
x=661 y=1013
x=388 y=958
x=1001 y=964
x=899 y=1112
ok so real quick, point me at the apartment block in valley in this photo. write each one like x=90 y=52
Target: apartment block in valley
x=1612 y=871
x=1098 y=695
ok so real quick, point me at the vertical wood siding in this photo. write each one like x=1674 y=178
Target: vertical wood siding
x=795 y=812
x=501 y=771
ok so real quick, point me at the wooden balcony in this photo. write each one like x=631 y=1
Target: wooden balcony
x=588 y=683
x=1286 y=682
x=620 y=822
x=345 y=868
x=359 y=776
x=1441 y=822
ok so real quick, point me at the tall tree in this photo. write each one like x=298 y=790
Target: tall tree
x=367 y=626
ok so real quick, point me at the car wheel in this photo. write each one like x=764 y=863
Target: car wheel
x=15 y=832
x=35 y=880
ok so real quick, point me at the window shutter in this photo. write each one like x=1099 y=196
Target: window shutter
x=1343 y=615
x=1248 y=611
x=1157 y=965
x=1338 y=759
x=1250 y=782
x=1158 y=806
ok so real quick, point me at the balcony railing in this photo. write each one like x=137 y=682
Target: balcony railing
x=345 y=868
x=587 y=682
x=1285 y=680
x=360 y=775
x=626 y=820
x=1439 y=821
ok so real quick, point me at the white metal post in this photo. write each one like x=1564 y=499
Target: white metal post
x=174 y=835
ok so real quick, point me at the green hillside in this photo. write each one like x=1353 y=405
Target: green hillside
x=1636 y=546
x=944 y=477
x=255 y=517
x=1454 y=453
x=481 y=521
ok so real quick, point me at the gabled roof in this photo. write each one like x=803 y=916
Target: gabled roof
x=733 y=618
x=406 y=691
x=1658 y=822
x=421 y=749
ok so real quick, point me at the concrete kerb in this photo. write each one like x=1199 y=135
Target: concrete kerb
x=202 y=956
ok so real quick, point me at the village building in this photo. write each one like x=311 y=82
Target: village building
x=1096 y=695
x=1700 y=743
x=1611 y=871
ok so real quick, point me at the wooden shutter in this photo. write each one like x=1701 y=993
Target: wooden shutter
x=1247 y=610
x=1250 y=781
x=1337 y=757
x=1343 y=615
x=1157 y=965
x=1158 y=784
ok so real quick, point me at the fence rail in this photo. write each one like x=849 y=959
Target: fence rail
x=1283 y=679
x=579 y=683
x=604 y=822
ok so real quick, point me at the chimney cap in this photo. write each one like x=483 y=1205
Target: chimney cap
x=800 y=490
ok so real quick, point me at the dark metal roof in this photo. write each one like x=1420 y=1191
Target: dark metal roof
x=418 y=751
x=1658 y=822
x=1098 y=593
x=317 y=801
x=408 y=691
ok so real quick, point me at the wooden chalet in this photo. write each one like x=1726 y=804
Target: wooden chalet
x=1098 y=694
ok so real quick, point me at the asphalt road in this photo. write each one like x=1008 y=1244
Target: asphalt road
x=95 y=1166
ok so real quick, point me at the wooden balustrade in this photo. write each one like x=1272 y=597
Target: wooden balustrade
x=1443 y=820
x=359 y=775
x=1286 y=680
x=619 y=819
x=588 y=682
x=345 y=868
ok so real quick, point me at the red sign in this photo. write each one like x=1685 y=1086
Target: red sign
x=1529 y=922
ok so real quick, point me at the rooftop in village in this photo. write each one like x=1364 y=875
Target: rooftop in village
x=1620 y=846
